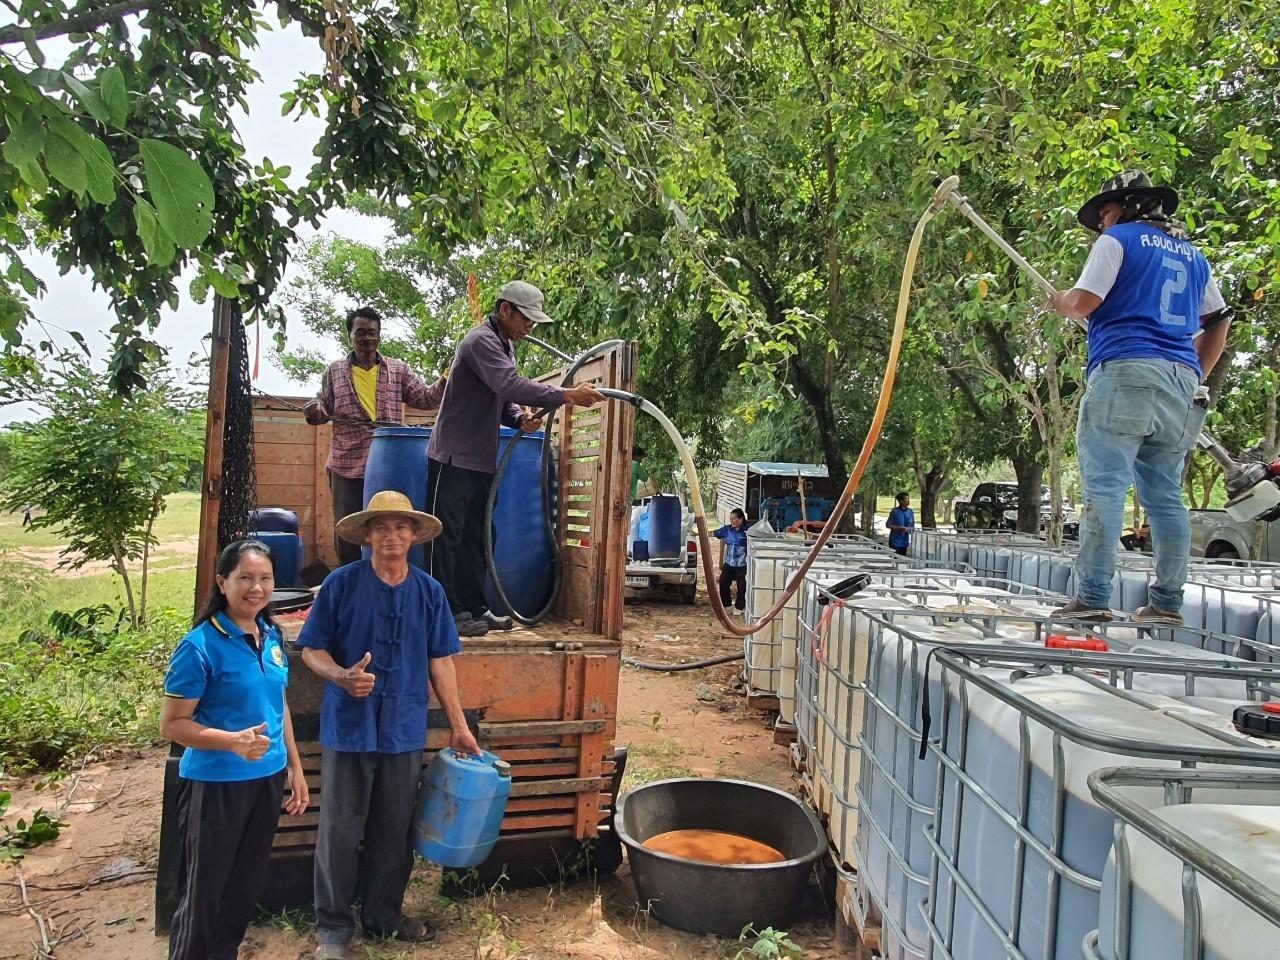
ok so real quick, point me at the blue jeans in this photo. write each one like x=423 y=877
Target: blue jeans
x=1137 y=422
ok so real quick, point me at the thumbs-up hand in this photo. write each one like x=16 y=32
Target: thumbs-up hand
x=357 y=681
x=252 y=742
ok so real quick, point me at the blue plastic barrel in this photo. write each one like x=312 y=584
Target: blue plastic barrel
x=398 y=461
x=274 y=518
x=664 y=527
x=460 y=811
x=286 y=551
x=522 y=550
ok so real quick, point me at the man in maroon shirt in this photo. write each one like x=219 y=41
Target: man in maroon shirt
x=482 y=391
x=393 y=385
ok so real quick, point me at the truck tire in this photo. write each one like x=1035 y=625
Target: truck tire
x=1219 y=550
x=689 y=594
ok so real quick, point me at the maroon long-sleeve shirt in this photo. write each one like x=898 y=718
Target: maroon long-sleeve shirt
x=481 y=394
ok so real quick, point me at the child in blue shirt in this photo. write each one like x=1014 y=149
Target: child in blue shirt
x=734 y=570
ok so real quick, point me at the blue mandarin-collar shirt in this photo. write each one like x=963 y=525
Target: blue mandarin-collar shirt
x=403 y=627
x=238 y=687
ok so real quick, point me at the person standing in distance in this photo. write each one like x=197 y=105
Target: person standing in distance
x=1146 y=293
x=357 y=393
x=482 y=392
x=733 y=569
x=901 y=524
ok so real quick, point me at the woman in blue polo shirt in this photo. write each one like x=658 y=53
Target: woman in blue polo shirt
x=224 y=701
x=734 y=570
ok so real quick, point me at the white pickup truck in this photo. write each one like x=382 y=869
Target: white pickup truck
x=1216 y=536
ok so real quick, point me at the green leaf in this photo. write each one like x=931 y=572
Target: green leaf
x=87 y=97
x=33 y=48
x=100 y=167
x=33 y=176
x=181 y=192
x=65 y=163
x=26 y=137
x=159 y=246
x=115 y=95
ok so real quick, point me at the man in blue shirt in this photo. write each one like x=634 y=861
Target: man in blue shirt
x=379 y=631
x=901 y=523
x=1146 y=292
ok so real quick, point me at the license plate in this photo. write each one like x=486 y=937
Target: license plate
x=637 y=581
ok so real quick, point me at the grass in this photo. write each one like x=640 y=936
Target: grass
x=166 y=588
x=181 y=518
x=649 y=762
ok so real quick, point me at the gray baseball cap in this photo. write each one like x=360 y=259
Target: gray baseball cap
x=526 y=298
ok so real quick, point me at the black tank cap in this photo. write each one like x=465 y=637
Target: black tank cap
x=1258 y=720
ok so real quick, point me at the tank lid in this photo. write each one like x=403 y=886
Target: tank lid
x=503 y=768
x=1258 y=720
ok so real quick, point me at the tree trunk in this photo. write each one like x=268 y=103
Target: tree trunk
x=1030 y=474
x=819 y=402
x=868 y=513
x=128 y=587
x=930 y=483
x=146 y=559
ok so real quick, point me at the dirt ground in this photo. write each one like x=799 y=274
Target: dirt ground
x=93 y=887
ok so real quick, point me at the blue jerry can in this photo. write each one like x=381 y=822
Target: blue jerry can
x=461 y=807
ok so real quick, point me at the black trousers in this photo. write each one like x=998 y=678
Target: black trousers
x=457 y=497
x=729 y=575
x=227 y=829
x=363 y=848
x=348 y=498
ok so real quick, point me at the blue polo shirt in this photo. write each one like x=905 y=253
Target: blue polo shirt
x=238 y=687
x=403 y=627
x=735 y=544
x=901 y=517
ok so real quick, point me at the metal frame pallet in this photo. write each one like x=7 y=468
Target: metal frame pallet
x=759 y=700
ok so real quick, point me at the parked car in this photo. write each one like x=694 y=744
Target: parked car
x=1216 y=536
x=994 y=506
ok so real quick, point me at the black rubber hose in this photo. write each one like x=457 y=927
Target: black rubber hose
x=548 y=415
x=678 y=667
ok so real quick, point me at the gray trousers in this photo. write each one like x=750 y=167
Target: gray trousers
x=363 y=850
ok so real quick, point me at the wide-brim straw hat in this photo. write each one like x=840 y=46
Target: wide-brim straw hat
x=354 y=528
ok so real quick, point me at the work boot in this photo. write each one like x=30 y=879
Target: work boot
x=1077 y=609
x=1156 y=615
x=496 y=622
x=469 y=626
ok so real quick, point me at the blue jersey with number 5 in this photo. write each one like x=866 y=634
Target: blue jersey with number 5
x=1153 y=309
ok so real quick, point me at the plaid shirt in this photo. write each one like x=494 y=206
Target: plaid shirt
x=397 y=385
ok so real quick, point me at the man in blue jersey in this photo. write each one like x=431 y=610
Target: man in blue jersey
x=1146 y=293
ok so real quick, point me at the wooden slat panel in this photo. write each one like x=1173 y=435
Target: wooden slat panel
x=268 y=454
x=536 y=822
x=278 y=493
x=301 y=475
x=285 y=433
x=594 y=703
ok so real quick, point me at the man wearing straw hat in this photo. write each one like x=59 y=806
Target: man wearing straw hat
x=1146 y=292
x=379 y=632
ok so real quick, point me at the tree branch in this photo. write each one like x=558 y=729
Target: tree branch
x=82 y=22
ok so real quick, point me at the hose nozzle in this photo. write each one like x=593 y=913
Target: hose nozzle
x=944 y=194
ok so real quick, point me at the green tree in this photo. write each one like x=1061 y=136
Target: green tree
x=100 y=466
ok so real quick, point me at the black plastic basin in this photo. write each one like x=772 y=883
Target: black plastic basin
x=710 y=897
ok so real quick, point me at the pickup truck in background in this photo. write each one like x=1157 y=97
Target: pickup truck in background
x=1216 y=536
x=994 y=506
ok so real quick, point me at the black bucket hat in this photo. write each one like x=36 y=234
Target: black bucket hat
x=1123 y=187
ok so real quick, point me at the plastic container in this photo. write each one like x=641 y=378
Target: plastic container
x=1161 y=862
x=710 y=897
x=274 y=518
x=639 y=550
x=286 y=552
x=460 y=811
x=522 y=553
x=665 y=541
